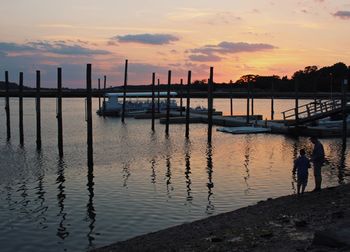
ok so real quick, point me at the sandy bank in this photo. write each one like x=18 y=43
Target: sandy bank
x=317 y=221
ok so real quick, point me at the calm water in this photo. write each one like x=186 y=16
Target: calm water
x=141 y=182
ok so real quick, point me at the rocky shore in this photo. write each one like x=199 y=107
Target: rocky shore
x=316 y=221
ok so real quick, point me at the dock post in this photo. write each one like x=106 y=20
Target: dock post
x=272 y=100
x=38 y=111
x=296 y=87
x=124 y=89
x=21 y=134
x=153 y=105
x=158 y=101
x=89 y=116
x=99 y=95
x=7 y=106
x=168 y=104
x=181 y=94
x=188 y=105
x=210 y=104
x=231 y=99
x=344 y=101
x=59 y=113
x=104 y=95
x=252 y=97
x=248 y=105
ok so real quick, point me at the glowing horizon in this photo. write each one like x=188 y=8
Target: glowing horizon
x=265 y=37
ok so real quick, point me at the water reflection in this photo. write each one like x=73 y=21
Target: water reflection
x=342 y=162
x=168 y=176
x=246 y=163
x=41 y=209
x=62 y=231
x=91 y=213
x=126 y=174
x=210 y=185
x=153 y=173
x=189 y=197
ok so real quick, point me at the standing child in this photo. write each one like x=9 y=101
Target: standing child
x=301 y=166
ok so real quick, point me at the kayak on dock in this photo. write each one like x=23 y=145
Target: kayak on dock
x=244 y=130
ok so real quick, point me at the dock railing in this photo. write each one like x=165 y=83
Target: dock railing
x=311 y=109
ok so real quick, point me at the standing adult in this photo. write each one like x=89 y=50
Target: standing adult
x=317 y=158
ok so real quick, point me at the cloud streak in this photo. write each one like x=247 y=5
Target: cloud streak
x=342 y=14
x=214 y=52
x=150 y=39
x=56 y=47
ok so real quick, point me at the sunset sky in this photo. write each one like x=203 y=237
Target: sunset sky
x=262 y=37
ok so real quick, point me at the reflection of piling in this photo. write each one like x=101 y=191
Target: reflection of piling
x=210 y=184
x=7 y=106
x=153 y=105
x=59 y=112
x=168 y=104
x=21 y=134
x=344 y=101
x=188 y=105
x=124 y=89
x=272 y=100
x=38 y=111
x=89 y=115
x=210 y=104
x=181 y=94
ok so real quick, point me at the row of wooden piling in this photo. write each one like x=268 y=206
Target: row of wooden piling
x=88 y=107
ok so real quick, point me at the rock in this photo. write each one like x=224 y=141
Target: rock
x=283 y=218
x=216 y=239
x=338 y=215
x=335 y=238
x=300 y=223
x=266 y=233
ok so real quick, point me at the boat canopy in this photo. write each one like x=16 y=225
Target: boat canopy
x=139 y=94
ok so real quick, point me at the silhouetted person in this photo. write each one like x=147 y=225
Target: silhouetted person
x=301 y=166
x=317 y=159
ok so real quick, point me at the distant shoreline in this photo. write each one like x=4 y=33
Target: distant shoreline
x=288 y=223
x=80 y=93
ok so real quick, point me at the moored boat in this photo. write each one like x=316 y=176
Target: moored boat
x=136 y=103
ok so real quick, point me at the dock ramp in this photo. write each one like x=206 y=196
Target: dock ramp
x=312 y=111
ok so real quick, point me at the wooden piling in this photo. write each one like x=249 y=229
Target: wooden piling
x=21 y=134
x=344 y=101
x=252 y=97
x=7 y=106
x=124 y=90
x=181 y=94
x=89 y=115
x=231 y=99
x=59 y=113
x=104 y=95
x=188 y=105
x=38 y=111
x=210 y=104
x=99 y=95
x=153 y=105
x=248 y=105
x=296 y=87
x=272 y=100
x=158 y=100
x=168 y=104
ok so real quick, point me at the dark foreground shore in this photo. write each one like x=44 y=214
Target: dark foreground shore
x=317 y=221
